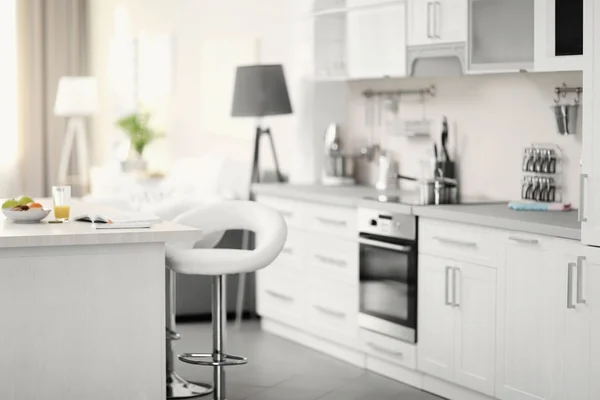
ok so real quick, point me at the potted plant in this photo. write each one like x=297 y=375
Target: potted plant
x=137 y=128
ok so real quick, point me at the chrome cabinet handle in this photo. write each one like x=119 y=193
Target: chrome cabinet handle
x=580 y=299
x=455 y=242
x=329 y=221
x=455 y=276
x=280 y=296
x=523 y=240
x=570 y=267
x=328 y=311
x=384 y=350
x=332 y=261
x=446 y=289
x=429 y=35
x=581 y=215
x=438 y=17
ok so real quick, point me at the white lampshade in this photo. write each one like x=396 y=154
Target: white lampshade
x=76 y=96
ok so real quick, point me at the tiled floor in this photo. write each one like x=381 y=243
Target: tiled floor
x=282 y=370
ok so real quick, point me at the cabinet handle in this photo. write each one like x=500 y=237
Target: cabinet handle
x=570 y=267
x=455 y=241
x=429 y=7
x=384 y=350
x=287 y=250
x=580 y=299
x=581 y=214
x=328 y=311
x=332 y=261
x=329 y=221
x=523 y=240
x=438 y=17
x=455 y=276
x=446 y=288
x=280 y=296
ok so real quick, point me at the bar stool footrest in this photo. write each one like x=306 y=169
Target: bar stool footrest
x=208 y=359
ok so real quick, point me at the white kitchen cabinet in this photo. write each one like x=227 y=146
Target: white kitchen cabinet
x=435 y=347
x=526 y=340
x=547 y=54
x=591 y=294
x=437 y=22
x=475 y=337
x=589 y=208
x=501 y=36
x=457 y=309
x=572 y=364
x=376 y=41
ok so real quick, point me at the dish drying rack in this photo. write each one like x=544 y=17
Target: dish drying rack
x=542 y=171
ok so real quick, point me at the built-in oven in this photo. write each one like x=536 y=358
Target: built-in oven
x=388 y=273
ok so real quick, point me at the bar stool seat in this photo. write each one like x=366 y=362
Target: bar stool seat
x=215 y=219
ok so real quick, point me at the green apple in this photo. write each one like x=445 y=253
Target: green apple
x=24 y=200
x=10 y=203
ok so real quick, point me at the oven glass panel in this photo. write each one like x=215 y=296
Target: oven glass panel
x=388 y=285
x=569 y=27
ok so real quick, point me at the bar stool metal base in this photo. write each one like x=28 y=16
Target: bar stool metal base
x=179 y=388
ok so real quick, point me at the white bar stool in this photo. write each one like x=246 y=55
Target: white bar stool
x=267 y=224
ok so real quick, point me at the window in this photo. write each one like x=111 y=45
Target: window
x=8 y=83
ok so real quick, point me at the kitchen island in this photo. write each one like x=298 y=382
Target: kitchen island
x=83 y=310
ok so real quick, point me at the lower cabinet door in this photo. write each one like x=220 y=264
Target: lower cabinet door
x=475 y=339
x=435 y=342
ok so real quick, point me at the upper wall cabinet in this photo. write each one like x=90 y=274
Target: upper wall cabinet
x=559 y=35
x=501 y=35
x=376 y=41
x=433 y=22
x=363 y=3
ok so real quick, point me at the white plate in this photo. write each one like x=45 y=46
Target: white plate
x=31 y=215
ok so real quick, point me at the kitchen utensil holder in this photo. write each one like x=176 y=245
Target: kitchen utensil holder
x=542 y=172
x=565 y=114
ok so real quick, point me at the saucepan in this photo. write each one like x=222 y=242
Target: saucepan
x=436 y=191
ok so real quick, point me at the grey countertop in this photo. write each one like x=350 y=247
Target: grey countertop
x=562 y=224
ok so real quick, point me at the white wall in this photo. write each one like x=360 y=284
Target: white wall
x=492 y=118
x=194 y=25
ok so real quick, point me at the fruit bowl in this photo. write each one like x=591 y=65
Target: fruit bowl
x=29 y=216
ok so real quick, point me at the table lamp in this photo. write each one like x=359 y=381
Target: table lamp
x=76 y=98
x=260 y=91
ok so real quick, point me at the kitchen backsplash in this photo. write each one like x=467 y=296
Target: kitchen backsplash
x=492 y=118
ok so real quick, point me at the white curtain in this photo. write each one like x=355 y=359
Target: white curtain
x=9 y=173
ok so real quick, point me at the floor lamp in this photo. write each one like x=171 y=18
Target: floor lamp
x=260 y=91
x=76 y=99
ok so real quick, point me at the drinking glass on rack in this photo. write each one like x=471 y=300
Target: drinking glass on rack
x=61 y=197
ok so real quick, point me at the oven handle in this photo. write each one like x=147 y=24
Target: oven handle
x=376 y=243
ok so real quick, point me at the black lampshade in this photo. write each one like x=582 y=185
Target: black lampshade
x=260 y=90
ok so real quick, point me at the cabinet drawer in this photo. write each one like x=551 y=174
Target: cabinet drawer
x=331 y=220
x=280 y=297
x=333 y=259
x=293 y=212
x=290 y=260
x=332 y=310
x=457 y=241
x=389 y=349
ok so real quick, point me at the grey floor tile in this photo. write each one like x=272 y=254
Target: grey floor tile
x=279 y=369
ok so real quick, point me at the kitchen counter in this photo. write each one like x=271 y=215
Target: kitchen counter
x=562 y=224
x=495 y=215
x=75 y=300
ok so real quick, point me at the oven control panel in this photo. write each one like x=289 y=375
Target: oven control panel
x=385 y=223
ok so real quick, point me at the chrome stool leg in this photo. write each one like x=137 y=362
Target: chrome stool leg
x=177 y=387
x=218 y=359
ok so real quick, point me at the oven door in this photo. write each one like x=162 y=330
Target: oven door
x=388 y=286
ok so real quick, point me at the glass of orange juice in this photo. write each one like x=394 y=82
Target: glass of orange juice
x=61 y=197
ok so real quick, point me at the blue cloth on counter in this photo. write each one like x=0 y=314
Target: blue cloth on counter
x=519 y=206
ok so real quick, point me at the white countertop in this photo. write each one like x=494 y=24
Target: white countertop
x=74 y=233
